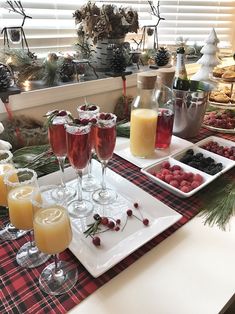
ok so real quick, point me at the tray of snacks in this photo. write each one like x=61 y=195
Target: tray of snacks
x=223 y=96
x=220 y=120
x=188 y=171
x=226 y=74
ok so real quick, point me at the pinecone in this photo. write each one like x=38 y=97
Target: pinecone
x=5 y=78
x=67 y=70
x=118 y=62
x=162 y=56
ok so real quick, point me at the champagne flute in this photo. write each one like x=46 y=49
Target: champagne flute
x=9 y=232
x=53 y=234
x=89 y=112
x=104 y=146
x=57 y=139
x=20 y=184
x=79 y=152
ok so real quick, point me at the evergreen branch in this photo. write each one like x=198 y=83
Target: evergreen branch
x=219 y=204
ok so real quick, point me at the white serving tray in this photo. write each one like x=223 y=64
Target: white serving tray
x=174 y=160
x=122 y=149
x=115 y=246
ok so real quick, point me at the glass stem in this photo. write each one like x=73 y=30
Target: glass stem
x=61 y=161
x=57 y=264
x=89 y=168
x=31 y=239
x=79 y=174
x=103 y=184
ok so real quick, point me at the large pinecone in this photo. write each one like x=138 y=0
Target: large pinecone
x=118 y=62
x=5 y=78
x=162 y=56
x=67 y=71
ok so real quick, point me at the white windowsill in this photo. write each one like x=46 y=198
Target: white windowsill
x=58 y=94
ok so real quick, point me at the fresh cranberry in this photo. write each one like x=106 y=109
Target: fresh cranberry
x=62 y=113
x=93 y=121
x=104 y=221
x=145 y=221
x=117 y=228
x=111 y=224
x=102 y=116
x=83 y=107
x=136 y=205
x=129 y=212
x=93 y=108
x=96 y=241
x=118 y=221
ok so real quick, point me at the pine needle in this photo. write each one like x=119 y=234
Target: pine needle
x=219 y=203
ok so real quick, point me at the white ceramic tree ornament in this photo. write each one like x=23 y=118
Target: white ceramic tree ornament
x=209 y=58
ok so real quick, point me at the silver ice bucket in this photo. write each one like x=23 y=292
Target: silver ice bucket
x=189 y=110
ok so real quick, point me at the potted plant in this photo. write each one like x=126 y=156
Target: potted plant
x=103 y=28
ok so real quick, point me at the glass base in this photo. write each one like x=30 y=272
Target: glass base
x=104 y=197
x=89 y=184
x=61 y=194
x=9 y=232
x=30 y=257
x=80 y=209
x=58 y=283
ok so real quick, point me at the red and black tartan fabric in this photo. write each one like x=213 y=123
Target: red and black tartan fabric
x=19 y=290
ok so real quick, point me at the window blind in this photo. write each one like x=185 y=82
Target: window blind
x=52 y=27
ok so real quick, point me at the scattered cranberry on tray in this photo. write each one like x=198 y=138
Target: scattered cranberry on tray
x=178 y=178
x=225 y=151
x=224 y=119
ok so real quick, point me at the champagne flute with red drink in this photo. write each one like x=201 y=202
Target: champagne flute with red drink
x=89 y=112
x=104 y=146
x=79 y=153
x=57 y=139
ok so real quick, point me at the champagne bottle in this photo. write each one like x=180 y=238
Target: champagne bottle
x=181 y=81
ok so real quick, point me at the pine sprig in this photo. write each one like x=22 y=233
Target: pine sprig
x=219 y=203
x=123 y=131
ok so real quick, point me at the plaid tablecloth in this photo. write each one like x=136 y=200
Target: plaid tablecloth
x=19 y=291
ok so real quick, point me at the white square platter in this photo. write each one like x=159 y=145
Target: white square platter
x=115 y=246
x=122 y=149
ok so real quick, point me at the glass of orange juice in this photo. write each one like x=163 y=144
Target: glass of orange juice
x=20 y=185
x=9 y=232
x=53 y=234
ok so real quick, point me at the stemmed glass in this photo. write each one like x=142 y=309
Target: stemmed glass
x=89 y=112
x=53 y=234
x=20 y=184
x=9 y=232
x=79 y=152
x=57 y=139
x=104 y=146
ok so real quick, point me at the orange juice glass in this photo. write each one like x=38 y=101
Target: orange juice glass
x=9 y=231
x=53 y=235
x=20 y=185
